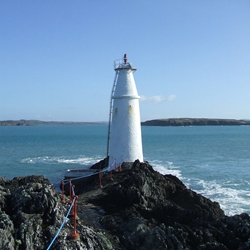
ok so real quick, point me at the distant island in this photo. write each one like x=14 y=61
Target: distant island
x=42 y=123
x=156 y=122
x=195 y=122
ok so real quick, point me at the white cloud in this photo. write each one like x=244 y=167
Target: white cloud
x=157 y=98
x=171 y=98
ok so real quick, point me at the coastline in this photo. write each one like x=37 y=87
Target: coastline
x=154 y=122
x=195 y=122
x=44 y=123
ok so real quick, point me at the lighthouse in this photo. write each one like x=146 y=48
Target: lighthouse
x=124 y=139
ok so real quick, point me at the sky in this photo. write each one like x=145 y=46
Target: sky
x=57 y=58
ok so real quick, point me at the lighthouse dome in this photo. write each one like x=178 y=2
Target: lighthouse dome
x=126 y=87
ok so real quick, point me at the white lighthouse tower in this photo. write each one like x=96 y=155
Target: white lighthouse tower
x=124 y=140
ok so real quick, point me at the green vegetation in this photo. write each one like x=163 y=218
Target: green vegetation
x=194 y=122
x=41 y=123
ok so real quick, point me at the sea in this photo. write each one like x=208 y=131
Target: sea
x=214 y=161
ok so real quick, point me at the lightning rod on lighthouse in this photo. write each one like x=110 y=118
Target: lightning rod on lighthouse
x=124 y=136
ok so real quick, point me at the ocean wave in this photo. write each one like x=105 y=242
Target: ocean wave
x=232 y=200
x=61 y=160
x=166 y=168
x=232 y=197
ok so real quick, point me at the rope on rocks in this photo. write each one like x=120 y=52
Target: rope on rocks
x=107 y=169
x=74 y=200
x=65 y=219
x=88 y=175
x=114 y=166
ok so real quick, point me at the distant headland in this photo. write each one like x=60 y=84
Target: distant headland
x=42 y=123
x=195 y=122
x=155 y=122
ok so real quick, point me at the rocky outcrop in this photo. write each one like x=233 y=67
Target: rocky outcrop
x=195 y=122
x=31 y=212
x=136 y=208
x=101 y=164
x=42 y=123
x=146 y=210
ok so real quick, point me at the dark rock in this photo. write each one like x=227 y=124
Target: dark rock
x=7 y=240
x=138 y=208
x=147 y=210
x=101 y=164
x=31 y=214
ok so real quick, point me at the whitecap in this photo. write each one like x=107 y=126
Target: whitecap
x=27 y=160
x=231 y=200
x=166 y=168
x=61 y=160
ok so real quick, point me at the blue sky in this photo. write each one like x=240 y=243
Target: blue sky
x=192 y=57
